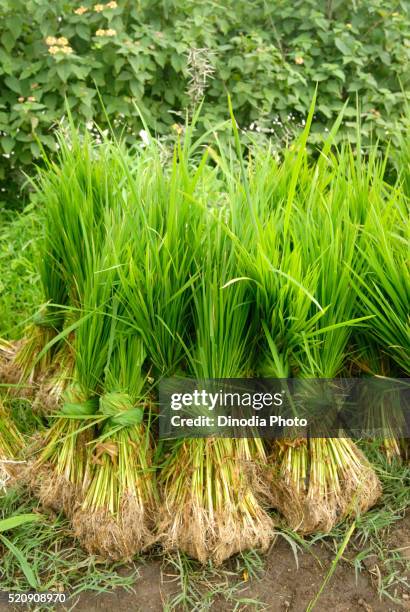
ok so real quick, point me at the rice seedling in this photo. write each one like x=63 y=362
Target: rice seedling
x=210 y=504
x=11 y=446
x=331 y=477
x=115 y=520
x=384 y=290
x=167 y=226
x=73 y=195
x=294 y=270
x=60 y=473
x=300 y=260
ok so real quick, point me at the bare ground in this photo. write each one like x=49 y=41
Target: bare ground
x=283 y=586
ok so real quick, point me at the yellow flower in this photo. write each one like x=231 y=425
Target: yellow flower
x=299 y=60
x=31 y=99
x=20 y=99
x=99 y=8
x=106 y=32
x=81 y=10
x=62 y=41
x=66 y=49
x=51 y=40
x=349 y=26
x=111 y=5
x=177 y=128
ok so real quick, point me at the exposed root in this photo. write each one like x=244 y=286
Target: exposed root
x=59 y=477
x=45 y=381
x=10 y=471
x=317 y=486
x=53 y=490
x=50 y=391
x=209 y=508
x=117 y=536
x=10 y=372
x=115 y=519
x=205 y=535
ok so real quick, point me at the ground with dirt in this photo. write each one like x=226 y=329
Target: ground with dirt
x=281 y=586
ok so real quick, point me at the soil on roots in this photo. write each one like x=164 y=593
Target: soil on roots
x=218 y=535
x=52 y=490
x=115 y=536
x=11 y=373
x=309 y=507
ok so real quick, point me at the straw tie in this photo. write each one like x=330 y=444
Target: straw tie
x=47 y=320
x=120 y=409
x=80 y=409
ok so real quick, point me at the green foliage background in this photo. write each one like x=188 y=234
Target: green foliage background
x=268 y=54
x=20 y=289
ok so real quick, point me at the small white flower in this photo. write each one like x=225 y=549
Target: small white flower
x=143 y=134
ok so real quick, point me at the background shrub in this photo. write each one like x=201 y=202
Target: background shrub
x=269 y=55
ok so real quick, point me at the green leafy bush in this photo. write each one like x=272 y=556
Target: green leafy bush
x=269 y=55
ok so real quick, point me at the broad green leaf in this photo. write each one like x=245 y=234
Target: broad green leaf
x=7 y=142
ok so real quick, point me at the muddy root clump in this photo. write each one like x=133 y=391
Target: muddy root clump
x=315 y=488
x=112 y=536
x=215 y=537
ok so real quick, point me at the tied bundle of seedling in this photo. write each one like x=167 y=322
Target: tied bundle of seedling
x=210 y=506
x=116 y=517
x=301 y=268
x=61 y=470
x=334 y=478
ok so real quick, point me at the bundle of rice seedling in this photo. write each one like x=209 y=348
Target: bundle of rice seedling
x=319 y=481
x=10 y=374
x=11 y=446
x=115 y=520
x=300 y=259
x=209 y=486
x=144 y=277
x=74 y=194
x=167 y=221
x=59 y=475
x=156 y=232
x=383 y=292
